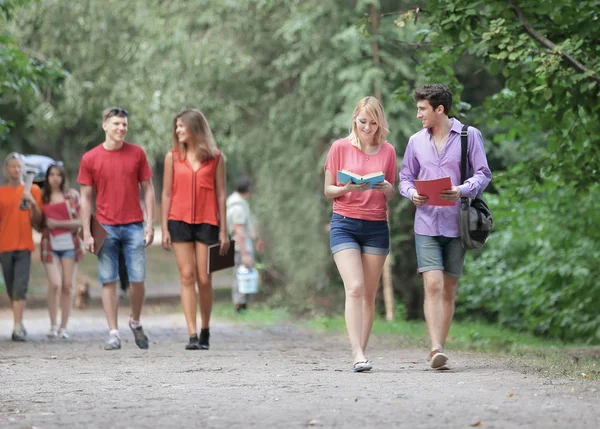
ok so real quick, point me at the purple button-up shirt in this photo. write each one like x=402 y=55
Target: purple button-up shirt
x=422 y=161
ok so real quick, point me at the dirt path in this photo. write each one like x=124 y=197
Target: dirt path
x=272 y=378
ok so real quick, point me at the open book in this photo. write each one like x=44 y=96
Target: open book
x=372 y=178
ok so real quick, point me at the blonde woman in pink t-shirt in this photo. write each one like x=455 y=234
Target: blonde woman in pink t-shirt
x=359 y=234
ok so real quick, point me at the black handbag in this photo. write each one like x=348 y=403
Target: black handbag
x=475 y=219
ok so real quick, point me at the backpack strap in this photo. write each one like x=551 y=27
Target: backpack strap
x=464 y=166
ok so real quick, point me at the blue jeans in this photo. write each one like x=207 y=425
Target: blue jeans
x=440 y=253
x=131 y=238
x=64 y=254
x=368 y=236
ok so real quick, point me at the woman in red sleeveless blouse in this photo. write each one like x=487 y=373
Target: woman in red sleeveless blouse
x=193 y=215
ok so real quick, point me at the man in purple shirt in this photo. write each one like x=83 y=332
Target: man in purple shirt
x=433 y=153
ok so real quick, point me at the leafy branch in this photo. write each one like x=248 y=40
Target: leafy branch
x=547 y=43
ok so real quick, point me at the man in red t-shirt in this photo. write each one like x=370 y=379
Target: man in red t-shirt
x=116 y=169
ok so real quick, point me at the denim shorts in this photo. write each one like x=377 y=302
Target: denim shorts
x=368 y=236
x=129 y=237
x=64 y=254
x=440 y=253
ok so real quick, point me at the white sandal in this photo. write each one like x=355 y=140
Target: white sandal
x=53 y=333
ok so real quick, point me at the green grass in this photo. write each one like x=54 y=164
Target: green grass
x=521 y=351
x=259 y=315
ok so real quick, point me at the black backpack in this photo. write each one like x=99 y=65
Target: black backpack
x=475 y=220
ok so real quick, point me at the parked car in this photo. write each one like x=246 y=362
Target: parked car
x=38 y=165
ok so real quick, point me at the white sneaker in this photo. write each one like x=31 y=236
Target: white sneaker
x=63 y=334
x=53 y=333
x=113 y=343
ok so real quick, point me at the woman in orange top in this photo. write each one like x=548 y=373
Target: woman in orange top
x=193 y=214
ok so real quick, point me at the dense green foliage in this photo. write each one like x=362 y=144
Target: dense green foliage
x=24 y=78
x=540 y=269
x=278 y=82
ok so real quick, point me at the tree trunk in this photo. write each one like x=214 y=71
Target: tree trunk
x=388 y=289
x=375 y=47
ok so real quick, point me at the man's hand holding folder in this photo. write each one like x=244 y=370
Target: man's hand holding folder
x=437 y=192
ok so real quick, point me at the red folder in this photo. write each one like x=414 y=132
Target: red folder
x=432 y=189
x=58 y=211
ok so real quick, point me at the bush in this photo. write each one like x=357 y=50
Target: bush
x=539 y=271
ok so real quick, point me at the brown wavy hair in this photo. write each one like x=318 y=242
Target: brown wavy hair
x=202 y=140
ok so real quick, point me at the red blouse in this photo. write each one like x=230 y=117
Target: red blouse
x=193 y=195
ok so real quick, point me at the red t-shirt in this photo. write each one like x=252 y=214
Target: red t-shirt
x=370 y=204
x=194 y=193
x=116 y=174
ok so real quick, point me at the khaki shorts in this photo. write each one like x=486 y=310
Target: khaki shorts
x=440 y=253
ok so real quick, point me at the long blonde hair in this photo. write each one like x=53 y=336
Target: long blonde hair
x=201 y=137
x=374 y=109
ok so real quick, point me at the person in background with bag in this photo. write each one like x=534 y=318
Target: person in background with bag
x=433 y=153
x=242 y=229
x=60 y=246
x=19 y=212
x=359 y=233
x=193 y=215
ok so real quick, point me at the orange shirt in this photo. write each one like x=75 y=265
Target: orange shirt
x=15 y=224
x=193 y=195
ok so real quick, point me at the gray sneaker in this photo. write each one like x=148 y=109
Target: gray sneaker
x=113 y=343
x=19 y=333
x=141 y=340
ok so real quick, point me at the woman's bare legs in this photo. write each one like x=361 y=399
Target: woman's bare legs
x=372 y=268
x=54 y=282
x=69 y=271
x=184 y=254
x=205 y=291
x=349 y=264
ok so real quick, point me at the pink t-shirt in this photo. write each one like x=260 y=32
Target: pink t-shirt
x=370 y=204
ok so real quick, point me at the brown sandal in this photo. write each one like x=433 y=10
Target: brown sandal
x=438 y=359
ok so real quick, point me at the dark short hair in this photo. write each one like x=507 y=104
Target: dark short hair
x=109 y=112
x=437 y=94
x=243 y=184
